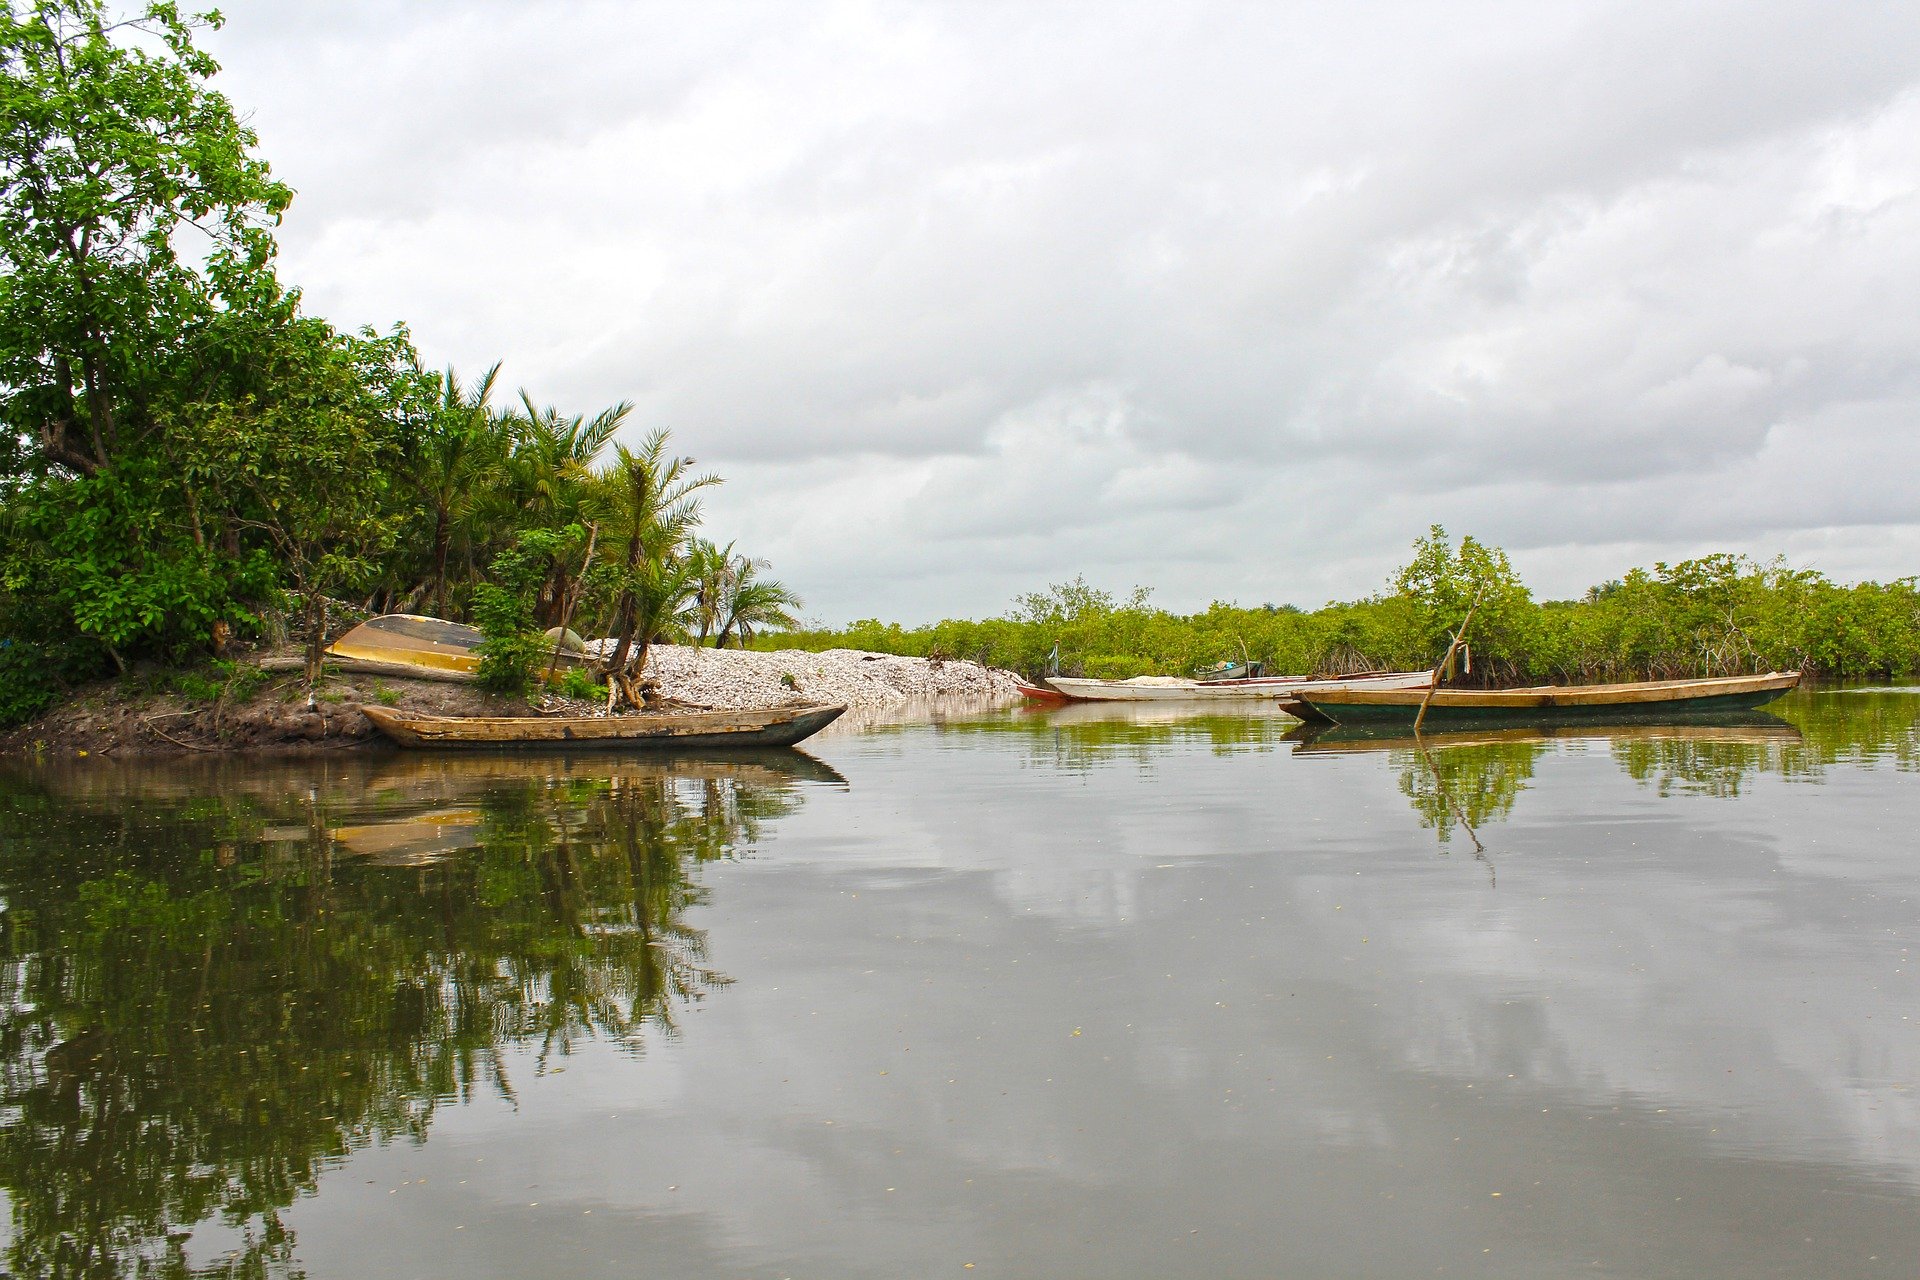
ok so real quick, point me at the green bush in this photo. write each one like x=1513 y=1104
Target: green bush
x=514 y=652
x=26 y=687
x=577 y=682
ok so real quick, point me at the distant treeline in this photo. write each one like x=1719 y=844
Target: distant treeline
x=1716 y=615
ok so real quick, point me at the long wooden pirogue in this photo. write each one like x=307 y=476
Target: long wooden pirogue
x=1542 y=703
x=773 y=727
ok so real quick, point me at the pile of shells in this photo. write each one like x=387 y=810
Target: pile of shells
x=743 y=678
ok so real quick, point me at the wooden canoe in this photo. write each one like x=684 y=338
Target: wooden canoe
x=1639 y=700
x=772 y=727
x=1175 y=689
x=1036 y=693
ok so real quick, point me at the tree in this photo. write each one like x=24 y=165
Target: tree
x=648 y=511
x=1443 y=581
x=549 y=483
x=303 y=459
x=712 y=569
x=730 y=598
x=753 y=602
x=114 y=158
x=449 y=467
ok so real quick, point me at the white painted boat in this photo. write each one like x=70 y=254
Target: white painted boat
x=1176 y=689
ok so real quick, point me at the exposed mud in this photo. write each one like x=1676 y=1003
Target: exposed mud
x=277 y=713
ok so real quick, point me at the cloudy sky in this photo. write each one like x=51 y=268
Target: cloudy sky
x=1230 y=300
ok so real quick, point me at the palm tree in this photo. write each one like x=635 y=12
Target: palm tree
x=713 y=574
x=553 y=455
x=550 y=481
x=452 y=464
x=647 y=509
x=754 y=602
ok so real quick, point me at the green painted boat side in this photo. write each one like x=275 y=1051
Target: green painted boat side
x=1652 y=700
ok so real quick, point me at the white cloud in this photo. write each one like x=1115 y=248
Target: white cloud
x=966 y=299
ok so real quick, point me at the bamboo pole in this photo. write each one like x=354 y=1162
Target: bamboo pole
x=1447 y=661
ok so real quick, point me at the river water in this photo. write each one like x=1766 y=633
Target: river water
x=1085 y=993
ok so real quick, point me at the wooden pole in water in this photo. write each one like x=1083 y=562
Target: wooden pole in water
x=1447 y=661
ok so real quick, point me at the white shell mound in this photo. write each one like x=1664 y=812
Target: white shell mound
x=746 y=678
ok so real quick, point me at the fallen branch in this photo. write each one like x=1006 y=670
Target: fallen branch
x=158 y=731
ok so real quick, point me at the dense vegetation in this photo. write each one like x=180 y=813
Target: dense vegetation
x=1712 y=616
x=189 y=458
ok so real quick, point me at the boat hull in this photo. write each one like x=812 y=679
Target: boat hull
x=1646 y=700
x=411 y=646
x=1169 y=690
x=697 y=730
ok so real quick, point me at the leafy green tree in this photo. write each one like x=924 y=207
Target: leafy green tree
x=106 y=564
x=114 y=155
x=514 y=653
x=1443 y=581
x=305 y=457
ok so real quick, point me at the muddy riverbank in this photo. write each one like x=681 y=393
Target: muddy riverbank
x=274 y=711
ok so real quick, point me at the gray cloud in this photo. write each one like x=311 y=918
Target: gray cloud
x=965 y=299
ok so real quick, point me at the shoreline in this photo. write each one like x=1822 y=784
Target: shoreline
x=109 y=718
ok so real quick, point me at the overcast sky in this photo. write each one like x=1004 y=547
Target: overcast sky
x=1229 y=300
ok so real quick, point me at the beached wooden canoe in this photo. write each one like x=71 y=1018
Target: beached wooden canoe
x=1176 y=689
x=773 y=727
x=1541 y=703
x=1038 y=693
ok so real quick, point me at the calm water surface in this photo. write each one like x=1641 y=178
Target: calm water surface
x=1100 y=993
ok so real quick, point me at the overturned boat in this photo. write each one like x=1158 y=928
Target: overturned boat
x=412 y=646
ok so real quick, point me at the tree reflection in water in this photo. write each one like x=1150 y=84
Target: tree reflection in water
x=1473 y=776
x=1083 y=736
x=1469 y=778
x=207 y=996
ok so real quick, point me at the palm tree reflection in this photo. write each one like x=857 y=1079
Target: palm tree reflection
x=206 y=997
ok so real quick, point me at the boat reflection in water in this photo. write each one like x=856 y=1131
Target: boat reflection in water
x=421 y=918
x=1469 y=777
